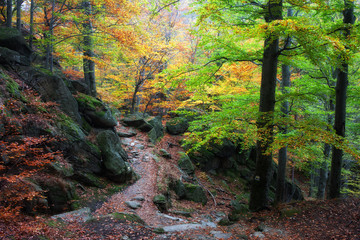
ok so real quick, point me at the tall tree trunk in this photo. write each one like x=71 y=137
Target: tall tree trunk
x=18 y=14
x=32 y=7
x=8 y=13
x=285 y=83
x=340 y=106
x=323 y=171
x=88 y=62
x=263 y=171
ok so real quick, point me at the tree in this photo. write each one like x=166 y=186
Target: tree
x=8 y=13
x=88 y=62
x=340 y=103
x=263 y=172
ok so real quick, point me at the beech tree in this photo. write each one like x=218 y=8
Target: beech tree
x=340 y=102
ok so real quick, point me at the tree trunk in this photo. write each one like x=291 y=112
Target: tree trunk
x=88 y=62
x=8 y=13
x=263 y=171
x=285 y=83
x=32 y=6
x=18 y=14
x=340 y=107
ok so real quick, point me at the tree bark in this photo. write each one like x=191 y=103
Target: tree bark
x=18 y=14
x=8 y=13
x=263 y=171
x=88 y=62
x=340 y=106
x=32 y=7
x=285 y=83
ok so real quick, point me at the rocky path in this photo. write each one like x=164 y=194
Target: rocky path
x=138 y=197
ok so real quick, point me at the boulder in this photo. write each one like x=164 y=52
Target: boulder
x=177 y=126
x=165 y=153
x=80 y=86
x=10 y=57
x=95 y=111
x=12 y=39
x=59 y=193
x=52 y=88
x=195 y=193
x=136 y=120
x=161 y=202
x=114 y=157
x=185 y=164
x=216 y=156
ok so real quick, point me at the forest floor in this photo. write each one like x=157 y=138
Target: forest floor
x=336 y=219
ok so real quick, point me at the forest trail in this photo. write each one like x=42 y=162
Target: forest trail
x=141 y=192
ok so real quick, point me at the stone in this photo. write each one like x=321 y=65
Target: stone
x=177 y=126
x=164 y=153
x=139 y=146
x=128 y=217
x=80 y=86
x=10 y=57
x=195 y=193
x=95 y=112
x=185 y=164
x=221 y=235
x=161 y=202
x=239 y=208
x=88 y=179
x=13 y=39
x=128 y=134
x=114 y=157
x=52 y=88
x=258 y=235
x=133 y=204
x=225 y=222
x=58 y=192
x=139 y=198
x=80 y=215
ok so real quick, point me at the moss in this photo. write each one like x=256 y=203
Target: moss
x=128 y=217
x=69 y=127
x=87 y=101
x=12 y=87
x=159 y=230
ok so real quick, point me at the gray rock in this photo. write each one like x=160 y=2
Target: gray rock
x=114 y=157
x=128 y=134
x=139 y=146
x=139 y=198
x=133 y=204
x=80 y=215
x=52 y=88
x=126 y=141
x=103 y=118
x=164 y=153
x=259 y=235
x=221 y=235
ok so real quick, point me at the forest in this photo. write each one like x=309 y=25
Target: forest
x=179 y=119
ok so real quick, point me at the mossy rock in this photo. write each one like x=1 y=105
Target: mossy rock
x=88 y=102
x=128 y=217
x=69 y=128
x=177 y=126
x=238 y=207
x=162 y=202
x=195 y=193
x=12 y=39
x=225 y=222
x=185 y=164
x=159 y=230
